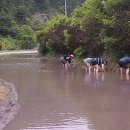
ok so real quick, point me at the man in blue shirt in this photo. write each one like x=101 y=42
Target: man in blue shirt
x=123 y=62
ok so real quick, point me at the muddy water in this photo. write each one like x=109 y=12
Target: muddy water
x=52 y=98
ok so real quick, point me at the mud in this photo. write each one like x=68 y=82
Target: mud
x=9 y=105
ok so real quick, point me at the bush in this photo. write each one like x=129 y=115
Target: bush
x=8 y=43
x=79 y=52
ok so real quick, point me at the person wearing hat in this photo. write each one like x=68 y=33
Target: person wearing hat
x=66 y=60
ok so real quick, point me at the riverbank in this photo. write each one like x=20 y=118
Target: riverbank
x=9 y=105
x=112 y=65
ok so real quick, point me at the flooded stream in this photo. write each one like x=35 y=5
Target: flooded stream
x=52 y=98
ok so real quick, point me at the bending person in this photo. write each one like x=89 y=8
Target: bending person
x=95 y=64
x=66 y=60
x=99 y=64
x=88 y=63
x=123 y=62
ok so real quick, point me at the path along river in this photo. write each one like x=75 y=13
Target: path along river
x=52 y=98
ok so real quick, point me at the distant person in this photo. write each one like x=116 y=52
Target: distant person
x=66 y=60
x=95 y=64
x=88 y=63
x=123 y=62
x=99 y=64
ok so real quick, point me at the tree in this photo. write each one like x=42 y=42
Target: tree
x=26 y=36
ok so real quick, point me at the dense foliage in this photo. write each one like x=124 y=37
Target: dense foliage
x=20 y=19
x=98 y=27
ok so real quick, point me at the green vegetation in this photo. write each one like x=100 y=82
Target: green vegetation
x=21 y=19
x=97 y=28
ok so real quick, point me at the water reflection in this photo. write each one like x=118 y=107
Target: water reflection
x=67 y=121
x=66 y=74
x=94 y=79
x=45 y=65
x=125 y=82
x=53 y=98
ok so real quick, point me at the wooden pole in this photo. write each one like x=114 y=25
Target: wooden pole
x=65 y=8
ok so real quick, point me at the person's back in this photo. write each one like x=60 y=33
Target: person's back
x=99 y=64
x=123 y=64
x=66 y=60
x=88 y=63
x=100 y=61
x=87 y=60
x=125 y=59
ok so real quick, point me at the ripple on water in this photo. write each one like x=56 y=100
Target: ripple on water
x=72 y=122
x=9 y=106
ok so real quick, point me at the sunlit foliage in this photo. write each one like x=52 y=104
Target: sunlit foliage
x=97 y=27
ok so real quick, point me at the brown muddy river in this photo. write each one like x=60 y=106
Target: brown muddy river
x=52 y=98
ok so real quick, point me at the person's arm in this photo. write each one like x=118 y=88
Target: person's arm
x=69 y=61
x=103 y=67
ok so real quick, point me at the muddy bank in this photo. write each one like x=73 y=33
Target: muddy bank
x=9 y=105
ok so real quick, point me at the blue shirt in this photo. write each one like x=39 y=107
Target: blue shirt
x=125 y=59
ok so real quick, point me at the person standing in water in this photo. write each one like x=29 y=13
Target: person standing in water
x=66 y=60
x=123 y=63
x=99 y=64
x=95 y=64
x=88 y=63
